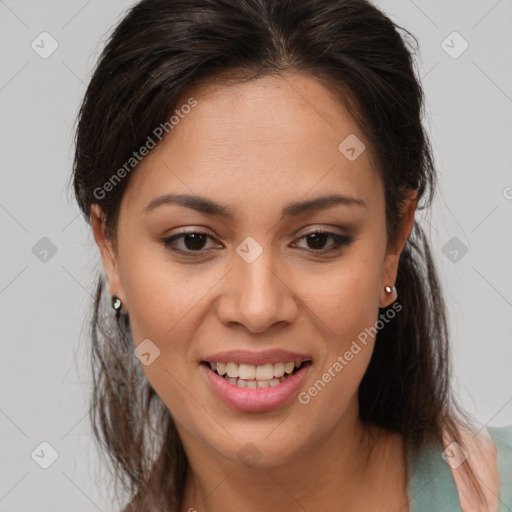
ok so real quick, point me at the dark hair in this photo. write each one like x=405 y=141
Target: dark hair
x=155 y=54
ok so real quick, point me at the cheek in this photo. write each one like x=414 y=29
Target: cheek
x=164 y=303
x=161 y=295
x=347 y=299
x=346 y=304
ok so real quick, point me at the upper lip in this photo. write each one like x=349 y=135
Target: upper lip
x=257 y=358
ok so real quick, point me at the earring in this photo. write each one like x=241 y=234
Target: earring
x=391 y=289
x=116 y=302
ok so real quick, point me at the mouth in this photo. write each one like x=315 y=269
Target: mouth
x=255 y=388
x=251 y=376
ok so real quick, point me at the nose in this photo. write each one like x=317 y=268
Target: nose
x=257 y=295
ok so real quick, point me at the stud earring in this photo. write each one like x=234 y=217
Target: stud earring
x=116 y=302
x=391 y=289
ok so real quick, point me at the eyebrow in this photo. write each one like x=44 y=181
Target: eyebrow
x=209 y=207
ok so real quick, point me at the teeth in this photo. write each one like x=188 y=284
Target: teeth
x=248 y=372
x=278 y=369
x=255 y=384
x=255 y=377
x=288 y=367
x=265 y=372
x=232 y=369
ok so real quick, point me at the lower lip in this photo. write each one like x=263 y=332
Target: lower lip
x=256 y=400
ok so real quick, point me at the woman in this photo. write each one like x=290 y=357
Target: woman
x=251 y=171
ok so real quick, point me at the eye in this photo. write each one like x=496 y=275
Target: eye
x=316 y=240
x=194 y=241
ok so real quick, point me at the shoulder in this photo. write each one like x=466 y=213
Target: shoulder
x=489 y=454
x=502 y=439
x=439 y=476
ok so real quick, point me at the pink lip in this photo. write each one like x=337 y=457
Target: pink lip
x=255 y=400
x=257 y=358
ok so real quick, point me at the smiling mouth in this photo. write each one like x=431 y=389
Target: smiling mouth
x=256 y=377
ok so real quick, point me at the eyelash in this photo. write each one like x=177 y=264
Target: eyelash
x=339 y=241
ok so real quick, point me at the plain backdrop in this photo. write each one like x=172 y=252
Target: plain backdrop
x=48 y=258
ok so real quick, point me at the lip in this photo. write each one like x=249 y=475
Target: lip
x=255 y=400
x=257 y=358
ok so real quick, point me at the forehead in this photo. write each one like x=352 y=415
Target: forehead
x=272 y=139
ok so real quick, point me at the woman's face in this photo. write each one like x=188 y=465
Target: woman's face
x=265 y=153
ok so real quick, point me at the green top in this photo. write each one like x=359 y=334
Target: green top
x=431 y=485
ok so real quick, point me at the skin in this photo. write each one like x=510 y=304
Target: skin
x=256 y=147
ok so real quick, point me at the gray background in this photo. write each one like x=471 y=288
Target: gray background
x=43 y=296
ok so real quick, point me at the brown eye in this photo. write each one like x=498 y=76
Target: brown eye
x=316 y=241
x=192 y=242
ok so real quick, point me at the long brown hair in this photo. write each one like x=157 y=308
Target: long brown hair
x=154 y=55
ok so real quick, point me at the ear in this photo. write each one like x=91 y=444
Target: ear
x=108 y=252
x=392 y=258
